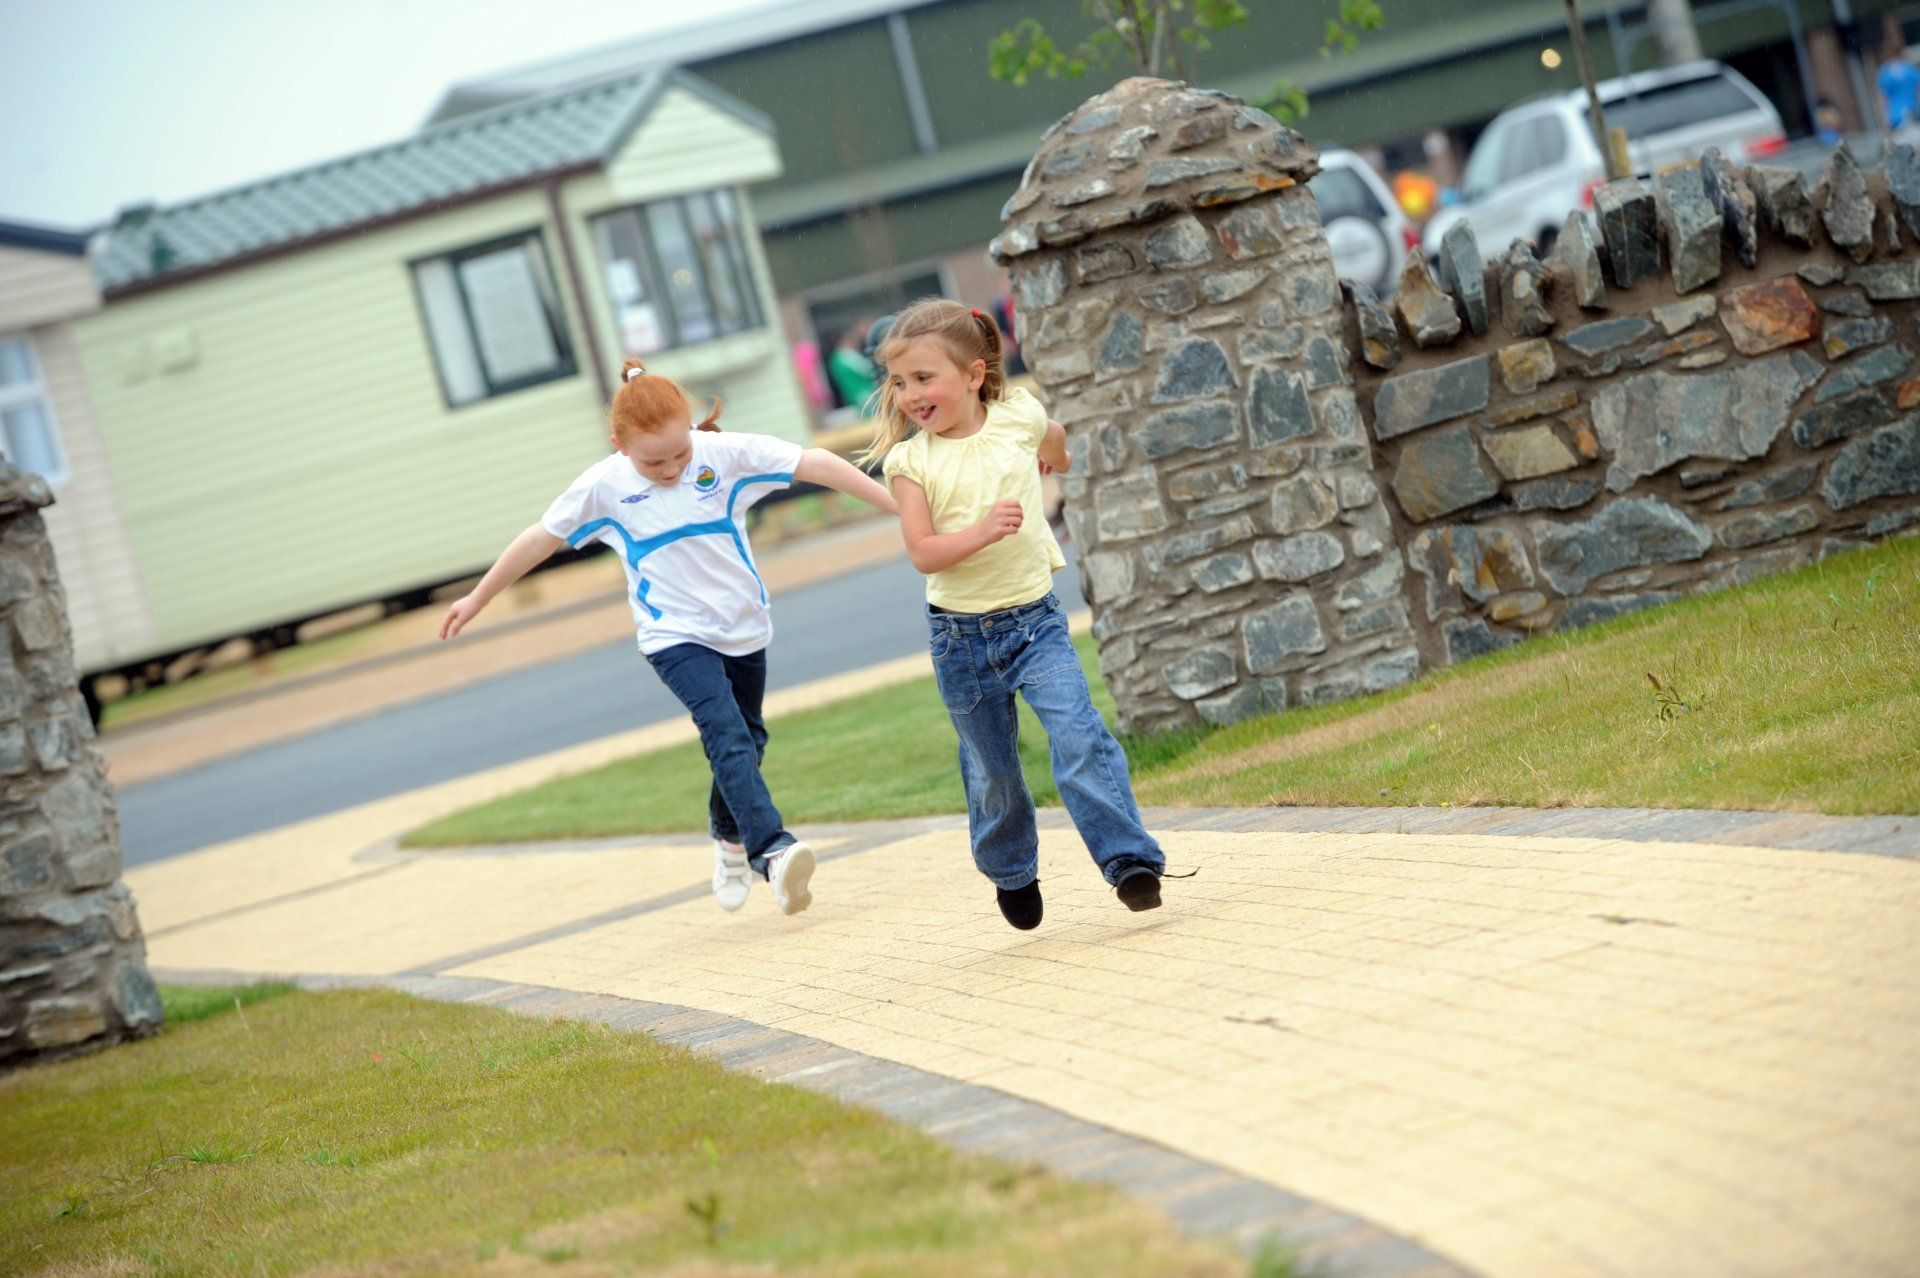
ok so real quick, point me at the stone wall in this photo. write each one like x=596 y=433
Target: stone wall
x=73 y=970
x=1712 y=383
x=1180 y=310
x=1286 y=493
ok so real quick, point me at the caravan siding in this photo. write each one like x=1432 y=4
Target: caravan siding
x=106 y=595
x=42 y=288
x=280 y=440
x=40 y=292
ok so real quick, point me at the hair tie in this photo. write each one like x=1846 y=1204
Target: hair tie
x=633 y=373
x=976 y=313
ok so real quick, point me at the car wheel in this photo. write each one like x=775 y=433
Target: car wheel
x=1360 y=251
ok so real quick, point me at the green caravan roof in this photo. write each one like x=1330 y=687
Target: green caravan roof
x=515 y=145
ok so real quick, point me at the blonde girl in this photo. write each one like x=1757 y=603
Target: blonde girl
x=672 y=501
x=963 y=456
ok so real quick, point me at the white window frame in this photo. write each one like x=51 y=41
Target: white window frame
x=12 y=396
x=455 y=336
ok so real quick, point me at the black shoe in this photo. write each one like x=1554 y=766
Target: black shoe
x=1021 y=906
x=1139 y=889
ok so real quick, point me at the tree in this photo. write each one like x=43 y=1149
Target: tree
x=1161 y=38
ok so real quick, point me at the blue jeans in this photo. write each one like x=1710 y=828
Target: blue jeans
x=723 y=694
x=980 y=662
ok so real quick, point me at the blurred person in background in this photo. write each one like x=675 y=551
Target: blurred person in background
x=1900 y=90
x=854 y=375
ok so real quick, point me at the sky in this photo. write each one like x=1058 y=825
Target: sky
x=110 y=103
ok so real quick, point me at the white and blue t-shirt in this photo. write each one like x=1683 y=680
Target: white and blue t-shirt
x=690 y=574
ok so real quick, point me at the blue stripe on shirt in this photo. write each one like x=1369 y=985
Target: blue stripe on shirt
x=636 y=550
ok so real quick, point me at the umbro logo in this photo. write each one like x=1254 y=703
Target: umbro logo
x=628 y=501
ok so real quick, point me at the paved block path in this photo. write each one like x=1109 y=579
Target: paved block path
x=1422 y=1041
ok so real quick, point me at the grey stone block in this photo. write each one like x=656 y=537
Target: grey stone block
x=1785 y=204
x=1277 y=407
x=1410 y=401
x=1882 y=365
x=1739 y=210
x=1626 y=534
x=1121 y=351
x=1462 y=272
x=1441 y=472
x=1275 y=635
x=1379 y=338
x=1602 y=336
x=1196 y=369
x=1199 y=673
x=1523 y=292
x=1762 y=526
x=1848 y=415
x=1553 y=494
x=1302 y=503
x=1180 y=243
x=1652 y=420
x=1691 y=225
x=1423 y=306
x=1628 y=224
x=1848 y=214
x=1298 y=558
x=1883 y=464
x=1888 y=281
x=1781 y=485
x=1848 y=336
x=1577 y=250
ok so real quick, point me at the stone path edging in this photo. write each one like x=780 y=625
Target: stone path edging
x=1200 y=1197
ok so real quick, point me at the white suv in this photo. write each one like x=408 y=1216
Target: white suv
x=1537 y=161
x=1368 y=234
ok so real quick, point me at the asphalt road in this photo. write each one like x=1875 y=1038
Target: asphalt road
x=831 y=627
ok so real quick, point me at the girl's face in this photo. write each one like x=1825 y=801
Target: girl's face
x=659 y=455
x=935 y=393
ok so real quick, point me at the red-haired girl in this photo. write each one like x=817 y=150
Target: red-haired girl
x=672 y=500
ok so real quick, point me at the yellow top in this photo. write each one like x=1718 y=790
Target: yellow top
x=963 y=479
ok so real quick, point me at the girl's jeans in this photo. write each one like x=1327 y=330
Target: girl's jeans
x=723 y=694
x=980 y=661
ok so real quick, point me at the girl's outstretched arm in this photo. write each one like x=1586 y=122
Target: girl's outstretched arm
x=818 y=466
x=1053 y=449
x=520 y=557
x=933 y=552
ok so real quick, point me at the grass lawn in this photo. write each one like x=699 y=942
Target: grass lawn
x=1799 y=692
x=371 y=1133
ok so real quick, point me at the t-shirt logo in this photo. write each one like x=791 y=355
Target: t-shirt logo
x=637 y=497
x=706 y=481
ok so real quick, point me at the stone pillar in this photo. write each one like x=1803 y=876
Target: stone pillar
x=73 y=972
x=1179 y=309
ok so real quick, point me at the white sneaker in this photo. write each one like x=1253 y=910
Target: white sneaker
x=731 y=879
x=788 y=871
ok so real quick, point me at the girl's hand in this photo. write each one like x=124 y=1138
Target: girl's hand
x=1003 y=521
x=463 y=610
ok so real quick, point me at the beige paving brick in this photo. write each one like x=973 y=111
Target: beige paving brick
x=1435 y=1032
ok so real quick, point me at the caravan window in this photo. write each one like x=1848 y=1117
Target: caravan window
x=677 y=271
x=27 y=435
x=493 y=318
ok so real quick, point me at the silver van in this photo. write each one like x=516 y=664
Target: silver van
x=1537 y=161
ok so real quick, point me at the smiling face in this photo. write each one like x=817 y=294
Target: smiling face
x=659 y=455
x=936 y=393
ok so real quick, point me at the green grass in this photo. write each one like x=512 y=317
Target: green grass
x=1799 y=692
x=185 y=1004
x=368 y=1132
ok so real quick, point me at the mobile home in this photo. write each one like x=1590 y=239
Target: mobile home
x=355 y=381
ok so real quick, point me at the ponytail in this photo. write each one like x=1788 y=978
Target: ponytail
x=645 y=402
